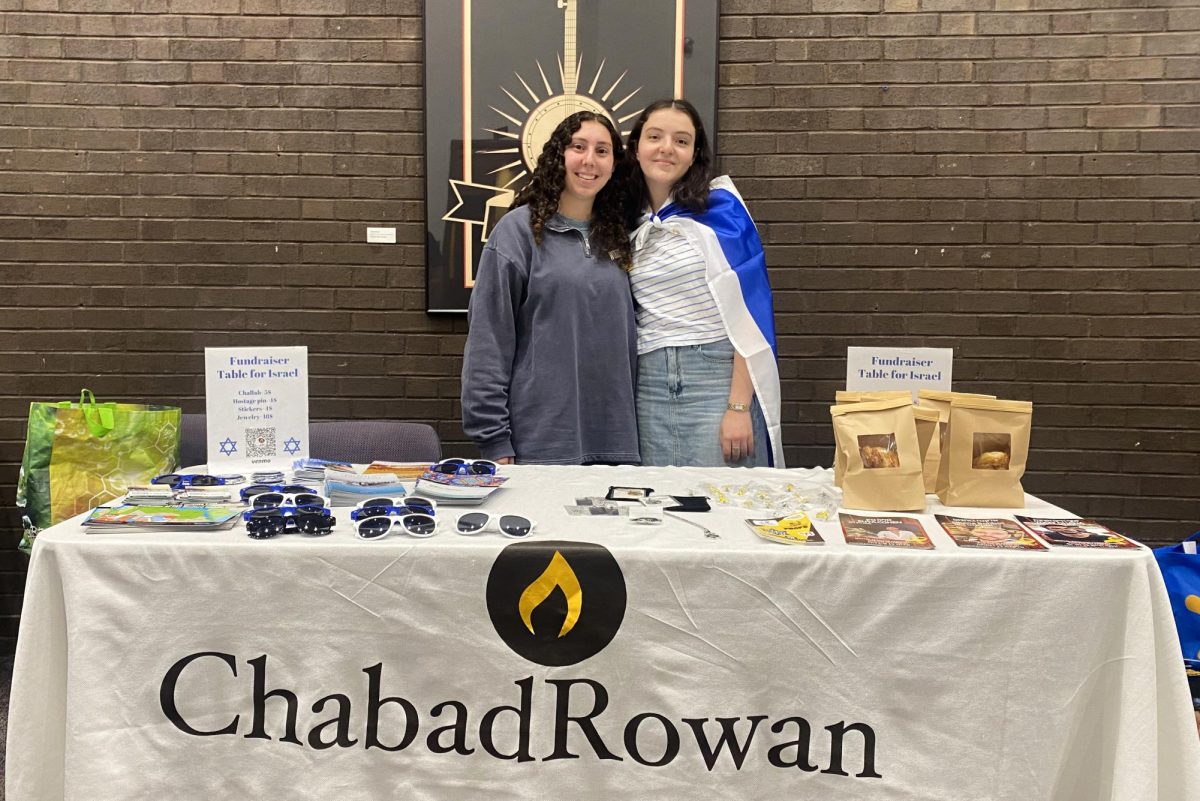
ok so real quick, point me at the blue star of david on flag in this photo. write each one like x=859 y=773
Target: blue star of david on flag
x=292 y=446
x=229 y=447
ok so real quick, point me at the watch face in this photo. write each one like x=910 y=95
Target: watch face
x=500 y=75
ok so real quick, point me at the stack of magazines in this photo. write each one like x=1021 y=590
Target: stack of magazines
x=456 y=489
x=348 y=489
x=132 y=516
x=306 y=470
x=162 y=495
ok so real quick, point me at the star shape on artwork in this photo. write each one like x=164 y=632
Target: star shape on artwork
x=292 y=446
x=229 y=447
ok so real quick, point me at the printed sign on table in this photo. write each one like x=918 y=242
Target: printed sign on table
x=869 y=369
x=257 y=404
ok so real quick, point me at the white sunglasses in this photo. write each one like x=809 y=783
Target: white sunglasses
x=465 y=467
x=414 y=525
x=514 y=526
x=414 y=503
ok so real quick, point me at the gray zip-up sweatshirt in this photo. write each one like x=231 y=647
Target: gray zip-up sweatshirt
x=551 y=359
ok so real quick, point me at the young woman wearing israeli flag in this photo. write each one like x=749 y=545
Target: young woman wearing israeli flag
x=708 y=380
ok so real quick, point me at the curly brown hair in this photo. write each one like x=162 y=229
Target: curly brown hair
x=609 y=232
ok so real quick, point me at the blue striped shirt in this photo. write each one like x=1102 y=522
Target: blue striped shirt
x=674 y=305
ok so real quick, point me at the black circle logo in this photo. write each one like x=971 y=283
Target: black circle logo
x=556 y=603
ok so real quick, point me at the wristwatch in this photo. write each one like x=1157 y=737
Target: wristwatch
x=738 y=407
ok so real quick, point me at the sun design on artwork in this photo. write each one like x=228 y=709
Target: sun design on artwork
x=536 y=118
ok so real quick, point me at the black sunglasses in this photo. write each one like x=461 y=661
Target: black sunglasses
x=181 y=480
x=263 y=524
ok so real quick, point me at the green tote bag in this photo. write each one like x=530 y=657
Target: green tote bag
x=80 y=455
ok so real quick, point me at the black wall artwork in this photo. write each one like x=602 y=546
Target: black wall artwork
x=501 y=74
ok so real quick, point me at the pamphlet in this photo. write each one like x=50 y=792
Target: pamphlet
x=201 y=518
x=457 y=489
x=461 y=480
x=348 y=489
x=1075 y=533
x=791 y=530
x=409 y=471
x=991 y=532
x=163 y=495
x=889 y=532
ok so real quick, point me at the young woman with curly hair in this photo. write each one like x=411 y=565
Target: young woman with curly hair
x=551 y=358
x=708 y=383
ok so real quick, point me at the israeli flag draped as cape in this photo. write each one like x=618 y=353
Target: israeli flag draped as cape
x=736 y=272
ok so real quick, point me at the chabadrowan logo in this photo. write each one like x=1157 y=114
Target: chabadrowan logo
x=556 y=603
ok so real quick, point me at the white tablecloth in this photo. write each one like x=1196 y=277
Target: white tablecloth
x=740 y=668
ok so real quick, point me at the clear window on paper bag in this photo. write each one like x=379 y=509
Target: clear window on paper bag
x=991 y=451
x=878 y=450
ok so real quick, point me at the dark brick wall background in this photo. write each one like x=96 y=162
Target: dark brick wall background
x=1016 y=179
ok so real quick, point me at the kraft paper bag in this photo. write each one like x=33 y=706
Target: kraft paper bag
x=844 y=396
x=986 y=448
x=939 y=400
x=928 y=422
x=878 y=444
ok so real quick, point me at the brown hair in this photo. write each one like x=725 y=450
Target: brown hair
x=608 y=230
x=691 y=191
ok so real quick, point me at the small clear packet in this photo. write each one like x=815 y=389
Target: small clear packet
x=649 y=510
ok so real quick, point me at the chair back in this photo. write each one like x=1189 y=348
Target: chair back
x=370 y=440
x=193 y=440
x=336 y=440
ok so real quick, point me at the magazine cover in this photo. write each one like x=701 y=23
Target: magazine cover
x=194 y=517
x=889 y=532
x=407 y=471
x=790 y=530
x=1075 y=533
x=991 y=532
x=453 y=480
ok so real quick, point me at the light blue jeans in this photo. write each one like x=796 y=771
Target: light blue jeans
x=681 y=398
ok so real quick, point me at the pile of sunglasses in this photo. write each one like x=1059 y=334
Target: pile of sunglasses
x=285 y=509
x=375 y=518
x=263 y=524
x=186 y=480
x=514 y=526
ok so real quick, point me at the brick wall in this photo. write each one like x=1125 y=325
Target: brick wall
x=1016 y=179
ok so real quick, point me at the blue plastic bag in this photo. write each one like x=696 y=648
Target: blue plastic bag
x=1180 y=567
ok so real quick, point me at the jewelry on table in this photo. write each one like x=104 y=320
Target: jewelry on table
x=712 y=535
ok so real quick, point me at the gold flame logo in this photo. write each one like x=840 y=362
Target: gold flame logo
x=557 y=574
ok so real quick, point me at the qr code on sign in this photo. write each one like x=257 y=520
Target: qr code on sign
x=260 y=443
